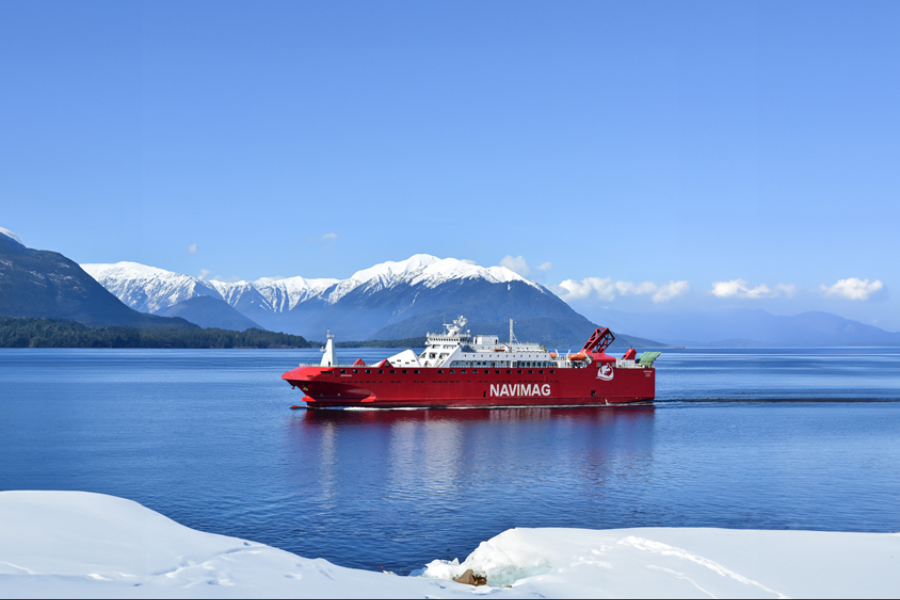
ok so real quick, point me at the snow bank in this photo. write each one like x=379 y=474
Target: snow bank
x=73 y=544
x=685 y=563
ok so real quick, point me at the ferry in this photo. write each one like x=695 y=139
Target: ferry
x=459 y=370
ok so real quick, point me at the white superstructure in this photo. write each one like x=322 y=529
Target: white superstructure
x=456 y=347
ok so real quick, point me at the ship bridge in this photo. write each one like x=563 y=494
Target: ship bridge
x=456 y=347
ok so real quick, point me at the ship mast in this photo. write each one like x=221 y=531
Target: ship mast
x=512 y=336
x=328 y=356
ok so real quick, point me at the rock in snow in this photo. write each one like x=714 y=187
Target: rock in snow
x=76 y=544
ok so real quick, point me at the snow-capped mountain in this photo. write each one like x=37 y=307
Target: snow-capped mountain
x=148 y=289
x=276 y=294
x=6 y=232
x=421 y=269
x=428 y=288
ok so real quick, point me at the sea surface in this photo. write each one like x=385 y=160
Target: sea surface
x=751 y=439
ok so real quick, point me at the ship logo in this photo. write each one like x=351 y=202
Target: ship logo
x=519 y=389
x=605 y=372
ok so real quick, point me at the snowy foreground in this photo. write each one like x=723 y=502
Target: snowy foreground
x=73 y=544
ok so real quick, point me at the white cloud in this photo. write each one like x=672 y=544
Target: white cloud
x=853 y=288
x=607 y=289
x=516 y=264
x=788 y=289
x=204 y=274
x=232 y=279
x=469 y=261
x=738 y=288
x=192 y=249
x=324 y=238
x=573 y=289
x=670 y=290
x=627 y=288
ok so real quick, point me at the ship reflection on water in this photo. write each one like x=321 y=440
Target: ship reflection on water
x=504 y=463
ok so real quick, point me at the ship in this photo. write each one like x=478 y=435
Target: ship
x=460 y=370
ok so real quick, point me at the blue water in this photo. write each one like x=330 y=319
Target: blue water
x=207 y=438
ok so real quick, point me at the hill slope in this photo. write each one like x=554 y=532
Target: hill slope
x=207 y=311
x=44 y=284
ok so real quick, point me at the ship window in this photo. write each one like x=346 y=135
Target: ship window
x=355 y=370
x=463 y=371
x=551 y=371
x=519 y=371
x=393 y=371
x=541 y=372
x=530 y=372
x=403 y=371
x=593 y=393
x=343 y=371
x=508 y=371
x=380 y=371
x=440 y=370
x=452 y=371
x=368 y=370
x=475 y=371
x=496 y=372
x=416 y=371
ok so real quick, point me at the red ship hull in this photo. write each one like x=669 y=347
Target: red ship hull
x=326 y=387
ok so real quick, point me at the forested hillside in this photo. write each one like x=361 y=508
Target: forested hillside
x=53 y=333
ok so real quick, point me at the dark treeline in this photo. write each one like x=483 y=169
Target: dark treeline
x=52 y=333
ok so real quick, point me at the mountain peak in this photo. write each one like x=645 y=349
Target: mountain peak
x=428 y=270
x=146 y=288
x=12 y=236
x=124 y=267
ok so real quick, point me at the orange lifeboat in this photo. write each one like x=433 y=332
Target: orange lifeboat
x=578 y=357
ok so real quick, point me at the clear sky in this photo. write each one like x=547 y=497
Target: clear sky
x=620 y=146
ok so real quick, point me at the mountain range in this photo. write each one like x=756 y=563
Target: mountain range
x=749 y=328
x=391 y=300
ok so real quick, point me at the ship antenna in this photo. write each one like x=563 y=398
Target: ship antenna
x=512 y=336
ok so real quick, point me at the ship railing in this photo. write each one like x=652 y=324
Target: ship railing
x=352 y=366
x=336 y=366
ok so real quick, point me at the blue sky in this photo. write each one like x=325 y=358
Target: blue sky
x=621 y=146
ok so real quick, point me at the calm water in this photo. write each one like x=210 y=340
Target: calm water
x=206 y=437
